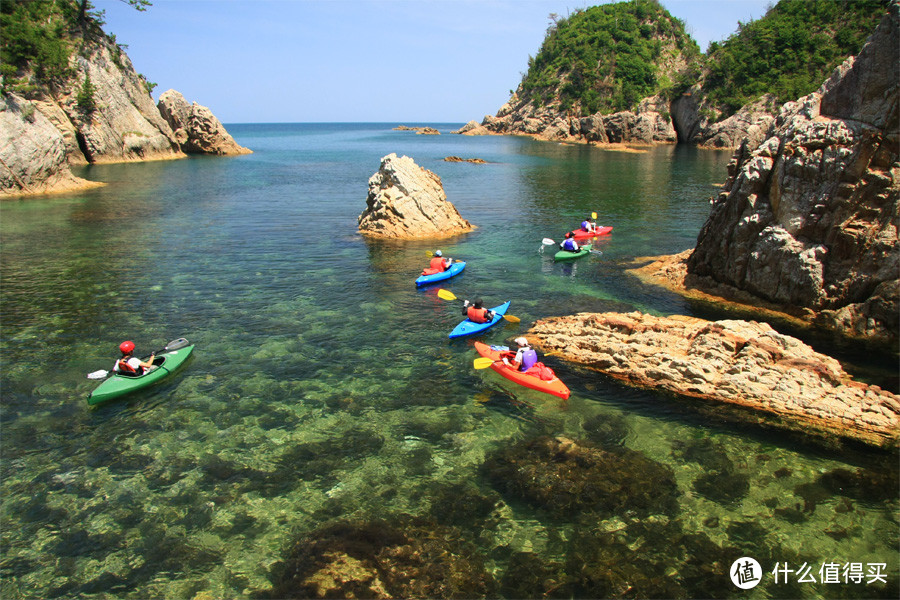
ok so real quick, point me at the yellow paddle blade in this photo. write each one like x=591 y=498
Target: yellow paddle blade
x=429 y=253
x=512 y=318
x=593 y=215
x=446 y=295
x=482 y=362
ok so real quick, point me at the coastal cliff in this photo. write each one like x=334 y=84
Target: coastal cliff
x=807 y=221
x=95 y=108
x=628 y=72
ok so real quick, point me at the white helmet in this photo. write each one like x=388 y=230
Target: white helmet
x=438 y=253
x=521 y=341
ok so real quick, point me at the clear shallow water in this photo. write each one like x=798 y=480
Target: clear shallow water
x=323 y=384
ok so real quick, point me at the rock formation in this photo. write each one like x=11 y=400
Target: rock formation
x=741 y=363
x=196 y=129
x=32 y=151
x=48 y=130
x=808 y=219
x=406 y=201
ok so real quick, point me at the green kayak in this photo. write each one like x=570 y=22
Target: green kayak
x=118 y=385
x=566 y=255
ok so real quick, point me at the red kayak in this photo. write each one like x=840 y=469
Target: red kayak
x=534 y=378
x=581 y=234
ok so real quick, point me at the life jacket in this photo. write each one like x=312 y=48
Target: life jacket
x=570 y=245
x=437 y=263
x=479 y=315
x=124 y=368
x=529 y=359
x=585 y=225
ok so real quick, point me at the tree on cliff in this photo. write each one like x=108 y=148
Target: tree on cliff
x=607 y=58
x=789 y=52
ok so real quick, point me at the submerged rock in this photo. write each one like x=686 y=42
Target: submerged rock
x=741 y=363
x=406 y=201
x=381 y=560
x=566 y=477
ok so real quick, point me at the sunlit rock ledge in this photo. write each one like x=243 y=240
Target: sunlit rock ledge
x=742 y=363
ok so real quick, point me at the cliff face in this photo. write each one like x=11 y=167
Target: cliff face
x=809 y=218
x=41 y=134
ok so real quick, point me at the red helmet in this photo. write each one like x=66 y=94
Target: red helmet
x=126 y=347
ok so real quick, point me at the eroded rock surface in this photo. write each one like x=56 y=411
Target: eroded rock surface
x=406 y=201
x=737 y=362
x=197 y=130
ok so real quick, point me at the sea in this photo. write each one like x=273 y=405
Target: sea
x=323 y=387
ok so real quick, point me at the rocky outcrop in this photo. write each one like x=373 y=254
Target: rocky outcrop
x=406 y=201
x=808 y=219
x=32 y=151
x=647 y=125
x=747 y=364
x=196 y=129
x=418 y=130
x=477 y=161
x=42 y=134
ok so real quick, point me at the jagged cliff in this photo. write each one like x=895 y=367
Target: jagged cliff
x=809 y=218
x=807 y=222
x=628 y=72
x=96 y=110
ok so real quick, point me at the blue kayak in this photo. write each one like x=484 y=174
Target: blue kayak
x=455 y=269
x=468 y=327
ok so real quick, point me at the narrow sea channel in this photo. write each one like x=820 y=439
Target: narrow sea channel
x=323 y=386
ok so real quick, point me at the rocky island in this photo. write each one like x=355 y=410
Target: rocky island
x=406 y=201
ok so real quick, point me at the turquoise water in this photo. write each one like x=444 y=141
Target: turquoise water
x=323 y=386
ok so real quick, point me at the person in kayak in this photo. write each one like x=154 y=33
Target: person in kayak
x=129 y=364
x=589 y=226
x=475 y=311
x=569 y=244
x=439 y=264
x=525 y=358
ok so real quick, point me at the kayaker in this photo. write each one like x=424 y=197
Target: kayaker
x=589 y=226
x=475 y=311
x=569 y=244
x=525 y=358
x=129 y=364
x=439 y=264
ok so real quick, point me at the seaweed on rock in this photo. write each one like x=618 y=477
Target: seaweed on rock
x=378 y=559
x=564 y=477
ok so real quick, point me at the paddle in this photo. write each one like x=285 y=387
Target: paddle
x=483 y=362
x=430 y=253
x=173 y=345
x=448 y=295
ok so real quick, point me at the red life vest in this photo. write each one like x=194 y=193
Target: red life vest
x=479 y=315
x=124 y=367
x=437 y=263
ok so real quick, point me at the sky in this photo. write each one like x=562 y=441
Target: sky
x=391 y=61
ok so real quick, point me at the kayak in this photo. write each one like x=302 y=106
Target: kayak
x=468 y=327
x=567 y=255
x=553 y=386
x=455 y=269
x=581 y=234
x=119 y=385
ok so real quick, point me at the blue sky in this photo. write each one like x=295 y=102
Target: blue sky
x=404 y=61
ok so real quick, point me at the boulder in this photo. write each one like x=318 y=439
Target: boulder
x=406 y=201
x=197 y=130
x=742 y=363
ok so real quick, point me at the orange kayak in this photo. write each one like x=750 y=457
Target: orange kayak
x=581 y=234
x=553 y=386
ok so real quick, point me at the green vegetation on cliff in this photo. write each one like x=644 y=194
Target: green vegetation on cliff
x=39 y=37
x=790 y=51
x=605 y=58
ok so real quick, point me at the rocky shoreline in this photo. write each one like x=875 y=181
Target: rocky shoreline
x=744 y=364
